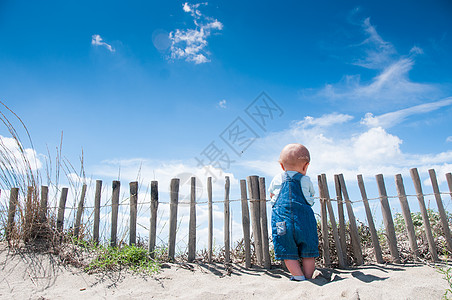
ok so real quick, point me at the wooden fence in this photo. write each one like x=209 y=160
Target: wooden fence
x=254 y=217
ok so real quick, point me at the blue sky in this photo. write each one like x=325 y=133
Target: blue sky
x=146 y=87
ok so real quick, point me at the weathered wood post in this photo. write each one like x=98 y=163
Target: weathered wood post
x=97 y=196
x=28 y=214
x=133 y=187
x=420 y=197
x=449 y=183
x=13 y=201
x=227 y=242
x=324 y=193
x=153 y=219
x=43 y=206
x=341 y=216
x=192 y=222
x=116 y=185
x=78 y=218
x=370 y=221
x=324 y=224
x=406 y=214
x=174 y=200
x=245 y=223
x=356 y=243
x=387 y=218
x=253 y=192
x=61 y=208
x=264 y=224
x=442 y=212
x=210 y=221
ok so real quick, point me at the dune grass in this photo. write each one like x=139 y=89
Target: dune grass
x=21 y=168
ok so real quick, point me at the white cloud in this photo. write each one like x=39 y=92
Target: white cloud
x=193 y=9
x=190 y=44
x=186 y=7
x=324 y=121
x=378 y=51
x=98 y=41
x=392 y=83
x=416 y=50
x=145 y=170
x=449 y=139
x=358 y=151
x=17 y=159
x=222 y=103
x=375 y=146
x=393 y=118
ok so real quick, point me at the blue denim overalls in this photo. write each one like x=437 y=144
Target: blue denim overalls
x=294 y=228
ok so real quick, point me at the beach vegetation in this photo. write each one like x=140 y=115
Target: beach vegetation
x=418 y=223
x=131 y=257
x=447 y=272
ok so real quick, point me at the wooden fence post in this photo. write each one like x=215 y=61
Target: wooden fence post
x=370 y=221
x=253 y=192
x=97 y=197
x=13 y=201
x=420 y=197
x=43 y=207
x=245 y=223
x=78 y=218
x=442 y=212
x=226 y=221
x=133 y=187
x=264 y=224
x=387 y=218
x=174 y=200
x=324 y=224
x=406 y=214
x=324 y=193
x=153 y=219
x=341 y=216
x=192 y=222
x=61 y=207
x=449 y=183
x=210 y=220
x=28 y=214
x=116 y=185
x=351 y=217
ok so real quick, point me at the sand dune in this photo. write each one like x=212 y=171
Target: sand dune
x=42 y=276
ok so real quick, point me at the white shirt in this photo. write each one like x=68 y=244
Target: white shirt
x=306 y=187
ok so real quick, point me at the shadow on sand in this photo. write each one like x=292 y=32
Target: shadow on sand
x=322 y=276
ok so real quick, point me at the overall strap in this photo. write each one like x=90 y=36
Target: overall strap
x=297 y=176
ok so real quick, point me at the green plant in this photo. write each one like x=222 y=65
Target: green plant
x=132 y=257
x=418 y=222
x=447 y=272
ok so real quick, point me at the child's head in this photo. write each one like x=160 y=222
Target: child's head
x=295 y=157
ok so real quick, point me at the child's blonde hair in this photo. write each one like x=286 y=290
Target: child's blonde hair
x=292 y=154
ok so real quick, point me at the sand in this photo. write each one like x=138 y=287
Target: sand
x=42 y=276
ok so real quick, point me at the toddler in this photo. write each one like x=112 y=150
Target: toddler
x=294 y=228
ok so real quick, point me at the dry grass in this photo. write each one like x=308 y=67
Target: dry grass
x=33 y=225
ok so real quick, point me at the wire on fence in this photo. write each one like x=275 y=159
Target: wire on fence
x=123 y=203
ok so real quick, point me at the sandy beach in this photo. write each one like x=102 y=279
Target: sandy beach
x=42 y=276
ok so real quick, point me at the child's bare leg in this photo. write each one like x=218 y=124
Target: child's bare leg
x=294 y=267
x=308 y=266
